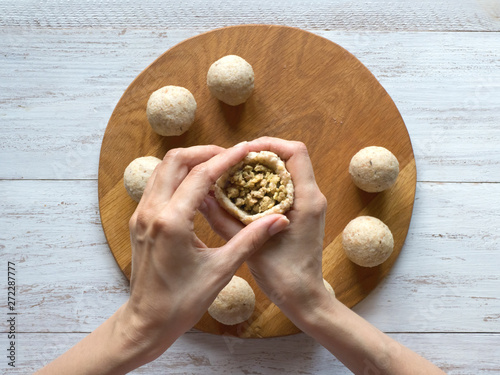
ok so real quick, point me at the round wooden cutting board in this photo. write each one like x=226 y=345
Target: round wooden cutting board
x=307 y=89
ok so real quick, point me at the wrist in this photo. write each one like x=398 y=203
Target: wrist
x=119 y=345
x=311 y=314
x=142 y=338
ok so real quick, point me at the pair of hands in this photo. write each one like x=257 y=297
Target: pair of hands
x=175 y=276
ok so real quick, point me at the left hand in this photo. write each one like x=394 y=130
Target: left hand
x=175 y=276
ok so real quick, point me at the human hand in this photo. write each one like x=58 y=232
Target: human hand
x=288 y=266
x=175 y=277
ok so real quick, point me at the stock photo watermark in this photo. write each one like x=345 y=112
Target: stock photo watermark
x=11 y=314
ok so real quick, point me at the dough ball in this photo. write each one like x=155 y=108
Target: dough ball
x=234 y=304
x=137 y=174
x=231 y=80
x=257 y=186
x=374 y=169
x=329 y=287
x=171 y=110
x=367 y=241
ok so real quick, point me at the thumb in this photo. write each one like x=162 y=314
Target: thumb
x=251 y=238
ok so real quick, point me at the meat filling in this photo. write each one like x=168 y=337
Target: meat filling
x=255 y=188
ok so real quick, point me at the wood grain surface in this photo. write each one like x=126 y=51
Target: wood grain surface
x=307 y=89
x=371 y=15
x=64 y=66
x=198 y=353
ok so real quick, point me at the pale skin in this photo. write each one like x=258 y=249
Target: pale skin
x=175 y=277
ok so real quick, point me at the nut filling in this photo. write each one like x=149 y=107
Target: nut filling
x=257 y=186
x=255 y=189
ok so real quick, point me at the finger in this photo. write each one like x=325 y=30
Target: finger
x=282 y=147
x=175 y=167
x=191 y=192
x=149 y=184
x=250 y=239
x=219 y=219
x=295 y=155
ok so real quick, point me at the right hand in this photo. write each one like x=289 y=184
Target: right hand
x=288 y=266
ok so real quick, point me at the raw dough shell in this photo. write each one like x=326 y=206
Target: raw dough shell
x=374 y=169
x=231 y=80
x=137 y=174
x=329 y=287
x=171 y=110
x=269 y=159
x=234 y=304
x=367 y=241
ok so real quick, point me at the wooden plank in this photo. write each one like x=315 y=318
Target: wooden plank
x=202 y=353
x=446 y=278
x=403 y=15
x=60 y=87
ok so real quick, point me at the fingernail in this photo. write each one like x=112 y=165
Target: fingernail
x=278 y=225
x=240 y=144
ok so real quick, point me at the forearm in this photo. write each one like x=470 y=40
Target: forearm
x=357 y=344
x=115 y=347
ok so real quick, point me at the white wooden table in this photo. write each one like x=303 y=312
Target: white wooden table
x=65 y=63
